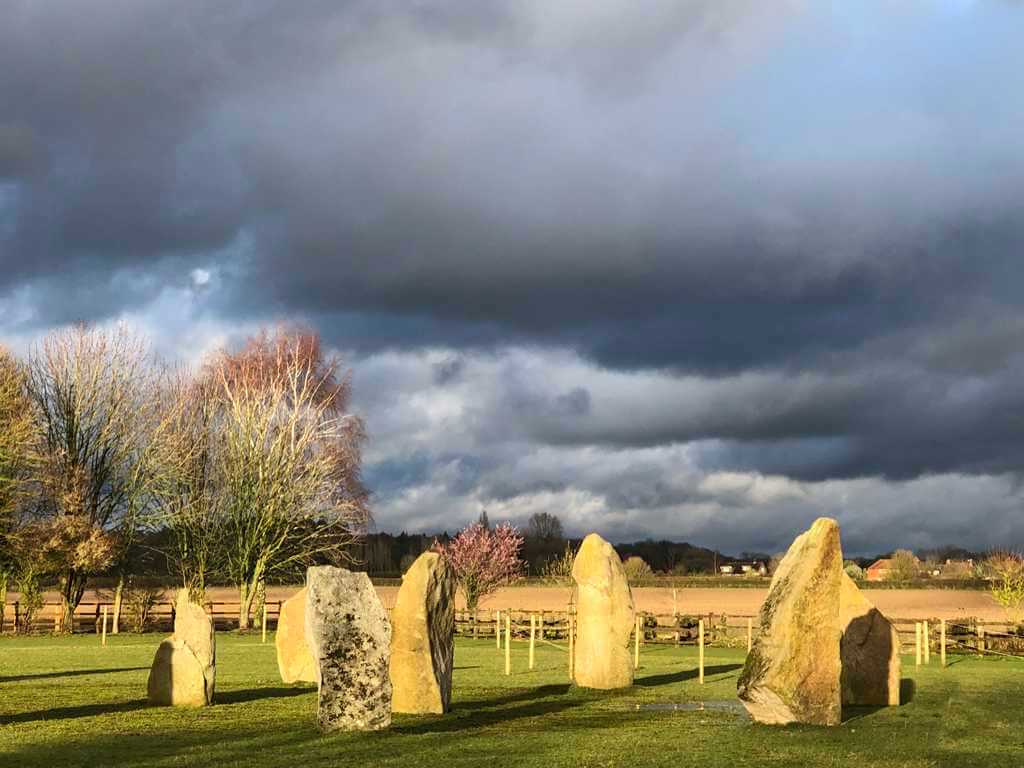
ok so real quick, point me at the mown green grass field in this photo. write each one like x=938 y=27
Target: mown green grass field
x=71 y=702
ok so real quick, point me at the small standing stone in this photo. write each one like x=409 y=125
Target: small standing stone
x=184 y=669
x=422 y=646
x=349 y=636
x=294 y=659
x=604 y=617
x=869 y=650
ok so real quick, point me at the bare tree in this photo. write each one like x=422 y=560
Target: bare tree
x=186 y=501
x=288 y=460
x=92 y=393
x=1005 y=573
x=544 y=526
x=903 y=566
x=16 y=439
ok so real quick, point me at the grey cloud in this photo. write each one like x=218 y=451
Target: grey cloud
x=785 y=239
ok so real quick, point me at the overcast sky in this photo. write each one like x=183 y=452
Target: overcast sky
x=702 y=270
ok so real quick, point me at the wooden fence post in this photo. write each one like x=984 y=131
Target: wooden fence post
x=927 y=640
x=508 y=642
x=700 y=651
x=264 y=621
x=917 y=644
x=636 y=641
x=942 y=642
x=532 y=636
x=104 y=641
x=497 y=629
x=675 y=604
x=981 y=639
x=570 y=620
x=750 y=634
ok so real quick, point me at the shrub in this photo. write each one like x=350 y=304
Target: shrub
x=140 y=602
x=636 y=568
x=558 y=570
x=853 y=570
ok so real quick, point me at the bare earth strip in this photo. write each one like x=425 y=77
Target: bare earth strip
x=897 y=603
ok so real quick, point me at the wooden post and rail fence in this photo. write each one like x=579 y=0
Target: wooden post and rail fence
x=918 y=638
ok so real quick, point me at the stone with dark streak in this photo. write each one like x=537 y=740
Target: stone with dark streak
x=792 y=672
x=349 y=635
x=423 y=623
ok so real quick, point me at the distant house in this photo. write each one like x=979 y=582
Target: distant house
x=744 y=568
x=878 y=570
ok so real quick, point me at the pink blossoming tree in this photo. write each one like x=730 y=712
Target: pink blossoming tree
x=483 y=559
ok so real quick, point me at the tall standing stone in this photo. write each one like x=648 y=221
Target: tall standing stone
x=349 y=636
x=869 y=651
x=294 y=659
x=792 y=672
x=184 y=669
x=604 y=617
x=422 y=643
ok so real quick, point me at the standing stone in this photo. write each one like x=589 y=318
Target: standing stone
x=349 y=636
x=422 y=644
x=604 y=617
x=792 y=671
x=184 y=669
x=869 y=651
x=294 y=659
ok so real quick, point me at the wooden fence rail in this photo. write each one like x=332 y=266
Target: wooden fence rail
x=88 y=616
x=731 y=630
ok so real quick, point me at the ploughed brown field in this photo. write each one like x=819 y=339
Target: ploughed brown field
x=897 y=603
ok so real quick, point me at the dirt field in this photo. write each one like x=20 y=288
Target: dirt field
x=896 y=603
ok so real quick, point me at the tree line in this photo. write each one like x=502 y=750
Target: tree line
x=242 y=468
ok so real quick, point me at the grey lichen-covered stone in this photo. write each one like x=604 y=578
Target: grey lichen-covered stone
x=869 y=652
x=422 y=643
x=294 y=659
x=792 y=672
x=349 y=636
x=604 y=617
x=184 y=669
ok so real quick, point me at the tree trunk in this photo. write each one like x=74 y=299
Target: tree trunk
x=3 y=598
x=71 y=595
x=115 y=624
x=245 y=597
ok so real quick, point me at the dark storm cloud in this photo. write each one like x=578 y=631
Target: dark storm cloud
x=786 y=234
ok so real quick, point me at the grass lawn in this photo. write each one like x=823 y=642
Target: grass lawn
x=70 y=702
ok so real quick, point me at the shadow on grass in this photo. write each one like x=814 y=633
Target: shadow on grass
x=256 y=694
x=529 y=694
x=907 y=691
x=71 y=713
x=69 y=673
x=461 y=720
x=687 y=674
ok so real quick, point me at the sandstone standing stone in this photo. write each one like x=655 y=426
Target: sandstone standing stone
x=869 y=651
x=349 y=636
x=184 y=669
x=792 y=672
x=294 y=659
x=604 y=617
x=422 y=643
